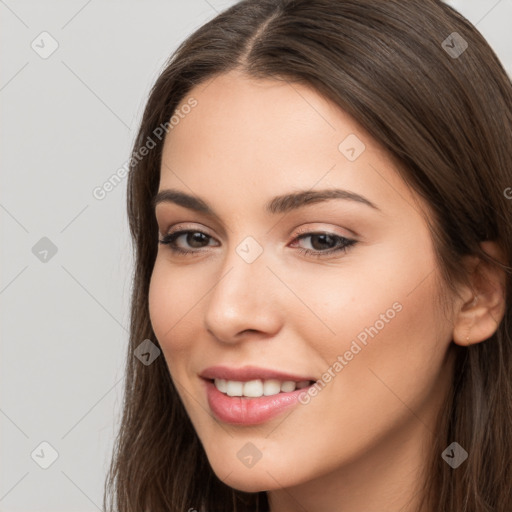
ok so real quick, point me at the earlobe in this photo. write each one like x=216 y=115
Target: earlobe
x=479 y=316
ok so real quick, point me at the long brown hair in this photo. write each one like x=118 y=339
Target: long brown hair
x=445 y=115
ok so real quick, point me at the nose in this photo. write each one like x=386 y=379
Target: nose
x=244 y=301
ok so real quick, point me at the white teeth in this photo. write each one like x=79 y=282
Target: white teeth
x=234 y=388
x=287 y=386
x=271 y=387
x=253 y=388
x=257 y=388
x=221 y=385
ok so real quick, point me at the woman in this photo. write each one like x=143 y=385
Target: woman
x=323 y=239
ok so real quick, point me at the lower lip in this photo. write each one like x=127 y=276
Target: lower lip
x=239 y=410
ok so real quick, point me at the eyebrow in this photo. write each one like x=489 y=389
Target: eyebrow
x=277 y=205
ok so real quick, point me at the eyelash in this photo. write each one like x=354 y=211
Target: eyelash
x=345 y=243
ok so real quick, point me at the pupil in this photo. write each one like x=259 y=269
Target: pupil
x=192 y=238
x=321 y=237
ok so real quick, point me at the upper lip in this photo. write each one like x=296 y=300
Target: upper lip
x=247 y=373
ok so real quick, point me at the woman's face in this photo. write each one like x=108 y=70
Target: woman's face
x=357 y=313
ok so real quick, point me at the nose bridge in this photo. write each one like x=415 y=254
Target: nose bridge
x=242 y=298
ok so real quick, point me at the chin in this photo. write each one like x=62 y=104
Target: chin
x=260 y=477
x=248 y=481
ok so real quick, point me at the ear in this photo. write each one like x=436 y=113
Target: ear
x=482 y=306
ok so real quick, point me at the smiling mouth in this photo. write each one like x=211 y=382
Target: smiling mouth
x=258 y=387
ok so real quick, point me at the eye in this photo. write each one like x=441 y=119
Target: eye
x=196 y=239
x=325 y=243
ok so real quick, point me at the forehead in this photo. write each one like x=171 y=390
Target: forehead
x=263 y=136
x=254 y=112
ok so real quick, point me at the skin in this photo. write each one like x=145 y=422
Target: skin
x=361 y=443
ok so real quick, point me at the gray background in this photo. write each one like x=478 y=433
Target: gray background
x=68 y=122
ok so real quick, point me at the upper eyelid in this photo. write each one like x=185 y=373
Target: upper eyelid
x=185 y=226
x=333 y=231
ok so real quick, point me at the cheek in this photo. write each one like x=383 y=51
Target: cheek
x=382 y=318
x=172 y=296
x=367 y=291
